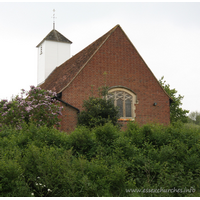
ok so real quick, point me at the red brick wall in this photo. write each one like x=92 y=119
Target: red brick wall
x=124 y=66
x=68 y=119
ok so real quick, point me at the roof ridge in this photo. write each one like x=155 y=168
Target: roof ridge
x=100 y=45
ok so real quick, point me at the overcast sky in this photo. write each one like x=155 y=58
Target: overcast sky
x=167 y=36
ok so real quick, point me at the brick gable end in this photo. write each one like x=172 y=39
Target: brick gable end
x=124 y=67
x=115 y=55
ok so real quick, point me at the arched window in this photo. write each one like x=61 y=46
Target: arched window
x=125 y=100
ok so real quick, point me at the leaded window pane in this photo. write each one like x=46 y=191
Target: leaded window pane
x=124 y=101
x=120 y=105
x=128 y=108
x=110 y=96
x=119 y=95
x=128 y=96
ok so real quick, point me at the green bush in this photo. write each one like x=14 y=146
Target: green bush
x=104 y=161
x=98 y=111
x=83 y=142
x=106 y=134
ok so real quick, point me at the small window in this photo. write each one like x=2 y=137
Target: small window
x=40 y=50
x=125 y=100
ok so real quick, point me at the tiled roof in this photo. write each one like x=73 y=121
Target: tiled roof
x=65 y=73
x=54 y=35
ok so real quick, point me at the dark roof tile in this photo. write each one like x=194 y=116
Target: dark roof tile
x=54 y=35
x=66 y=72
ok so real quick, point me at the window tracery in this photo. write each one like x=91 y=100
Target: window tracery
x=125 y=101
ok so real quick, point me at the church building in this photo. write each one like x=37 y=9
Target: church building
x=113 y=59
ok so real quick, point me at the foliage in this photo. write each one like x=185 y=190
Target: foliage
x=149 y=160
x=98 y=111
x=176 y=112
x=194 y=117
x=39 y=106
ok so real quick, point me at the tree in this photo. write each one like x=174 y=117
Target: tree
x=39 y=106
x=194 y=117
x=98 y=111
x=176 y=112
x=198 y=119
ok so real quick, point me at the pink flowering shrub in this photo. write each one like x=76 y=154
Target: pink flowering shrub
x=38 y=106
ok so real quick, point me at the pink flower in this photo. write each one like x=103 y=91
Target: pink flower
x=4 y=114
x=32 y=86
x=59 y=113
x=28 y=108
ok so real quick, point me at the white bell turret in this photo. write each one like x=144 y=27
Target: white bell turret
x=53 y=50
